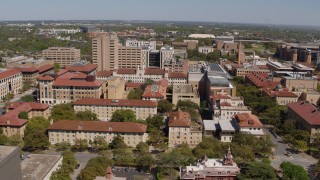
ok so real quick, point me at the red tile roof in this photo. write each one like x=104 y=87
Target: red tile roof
x=99 y=126
x=104 y=73
x=160 y=87
x=28 y=70
x=10 y=121
x=260 y=79
x=272 y=93
x=9 y=73
x=11 y=118
x=225 y=104
x=177 y=75
x=32 y=105
x=61 y=71
x=76 y=83
x=179 y=119
x=248 y=120
x=126 y=71
x=306 y=111
x=117 y=102
x=150 y=71
x=45 y=68
x=133 y=84
x=45 y=78
x=85 y=69
x=220 y=96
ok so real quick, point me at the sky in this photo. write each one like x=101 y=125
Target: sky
x=292 y=12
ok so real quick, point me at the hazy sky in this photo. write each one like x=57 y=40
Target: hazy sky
x=296 y=12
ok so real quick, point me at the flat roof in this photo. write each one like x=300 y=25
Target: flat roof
x=209 y=125
x=37 y=166
x=226 y=125
x=6 y=150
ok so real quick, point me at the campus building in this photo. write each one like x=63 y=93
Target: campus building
x=64 y=56
x=72 y=130
x=66 y=87
x=215 y=169
x=10 y=82
x=12 y=124
x=182 y=130
x=183 y=92
x=306 y=116
x=104 y=108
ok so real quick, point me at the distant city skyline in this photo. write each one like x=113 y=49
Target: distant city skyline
x=286 y=12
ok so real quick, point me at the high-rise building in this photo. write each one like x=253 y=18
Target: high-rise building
x=142 y=44
x=129 y=57
x=65 y=56
x=105 y=52
x=166 y=54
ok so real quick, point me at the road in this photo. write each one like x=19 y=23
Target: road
x=82 y=158
x=296 y=158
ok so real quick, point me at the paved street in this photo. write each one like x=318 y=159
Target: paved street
x=296 y=158
x=82 y=158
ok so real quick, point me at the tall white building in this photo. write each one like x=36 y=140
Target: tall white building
x=143 y=44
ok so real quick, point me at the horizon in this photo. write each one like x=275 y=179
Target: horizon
x=243 y=12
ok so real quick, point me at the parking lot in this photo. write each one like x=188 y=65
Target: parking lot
x=131 y=173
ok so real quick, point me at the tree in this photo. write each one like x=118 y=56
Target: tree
x=63 y=112
x=123 y=115
x=15 y=140
x=27 y=98
x=257 y=170
x=142 y=148
x=135 y=94
x=164 y=106
x=56 y=67
x=86 y=115
x=154 y=122
x=35 y=133
x=62 y=146
x=23 y=115
x=8 y=96
x=99 y=144
x=145 y=162
x=95 y=167
x=118 y=143
x=80 y=145
x=123 y=157
x=158 y=139
x=291 y=171
x=26 y=85
x=3 y=138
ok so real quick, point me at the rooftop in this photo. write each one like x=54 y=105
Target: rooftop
x=37 y=166
x=179 y=119
x=183 y=88
x=7 y=73
x=309 y=112
x=248 y=120
x=226 y=125
x=6 y=150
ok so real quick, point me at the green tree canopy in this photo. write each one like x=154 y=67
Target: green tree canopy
x=292 y=171
x=257 y=171
x=154 y=122
x=27 y=98
x=35 y=133
x=135 y=94
x=95 y=167
x=118 y=143
x=164 y=106
x=63 y=112
x=23 y=115
x=123 y=115
x=86 y=115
